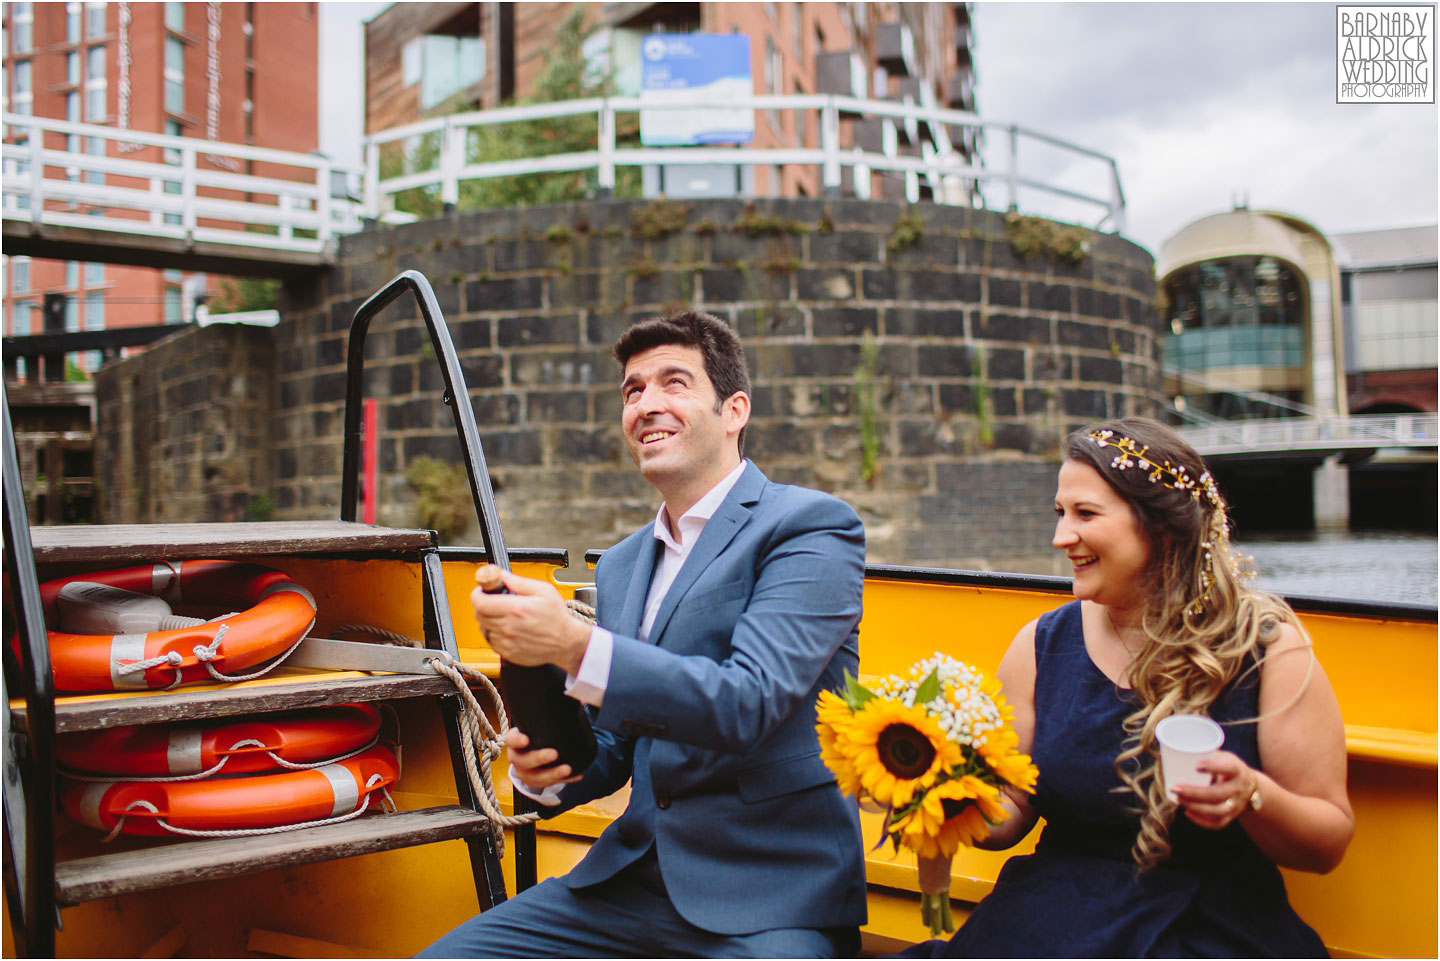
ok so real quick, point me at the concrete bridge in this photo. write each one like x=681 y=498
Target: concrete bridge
x=1315 y=439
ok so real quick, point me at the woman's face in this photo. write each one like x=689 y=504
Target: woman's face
x=1098 y=532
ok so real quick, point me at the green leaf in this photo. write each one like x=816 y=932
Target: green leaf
x=929 y=688
x=856 y=694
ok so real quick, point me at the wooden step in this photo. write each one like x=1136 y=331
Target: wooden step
x=90 y=712
x=184 y=862
x=128 y=544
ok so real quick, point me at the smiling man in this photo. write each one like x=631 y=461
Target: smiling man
x=719 y=624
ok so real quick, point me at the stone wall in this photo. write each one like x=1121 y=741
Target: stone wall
x=182 y=430
x=980 y=361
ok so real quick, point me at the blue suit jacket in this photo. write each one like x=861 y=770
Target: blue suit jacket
x=714 y=717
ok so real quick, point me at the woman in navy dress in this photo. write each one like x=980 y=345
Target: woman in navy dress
x=1163 y=624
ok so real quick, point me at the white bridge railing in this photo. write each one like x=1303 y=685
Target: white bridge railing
x=944 y=169
x=84 y=175
x=1313 y=433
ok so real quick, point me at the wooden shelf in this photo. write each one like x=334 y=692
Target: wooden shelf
x=90 y=712
x=183 y=862
x=130 y=544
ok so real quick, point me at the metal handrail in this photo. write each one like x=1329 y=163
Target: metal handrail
x=29 y=756
x=938 y=162
x=1315 y=433
x=33 y=192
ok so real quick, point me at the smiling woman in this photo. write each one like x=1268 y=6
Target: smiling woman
x=1163 y=624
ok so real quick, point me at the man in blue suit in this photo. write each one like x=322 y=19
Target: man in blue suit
x=719 y=625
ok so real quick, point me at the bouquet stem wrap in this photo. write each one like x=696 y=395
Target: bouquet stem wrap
x=934 y=878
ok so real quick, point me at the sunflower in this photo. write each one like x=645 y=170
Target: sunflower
x=833 y=721
x=998 y=749
x=898 y=750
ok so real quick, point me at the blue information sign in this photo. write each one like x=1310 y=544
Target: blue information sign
x=683 y=67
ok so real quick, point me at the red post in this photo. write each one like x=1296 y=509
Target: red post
x=370 y=435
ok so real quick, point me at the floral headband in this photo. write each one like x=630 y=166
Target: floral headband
x=1176 y=477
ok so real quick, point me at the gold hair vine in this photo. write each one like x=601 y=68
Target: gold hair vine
x=1176 y=477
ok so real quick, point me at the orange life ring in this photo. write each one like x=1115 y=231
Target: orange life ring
x=280 y=613
x=252 y=802
x=233 y=745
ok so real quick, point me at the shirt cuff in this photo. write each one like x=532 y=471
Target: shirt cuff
x=588 y=684
x=548 y=797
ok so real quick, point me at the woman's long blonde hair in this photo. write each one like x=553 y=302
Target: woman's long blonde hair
x=1204 y=627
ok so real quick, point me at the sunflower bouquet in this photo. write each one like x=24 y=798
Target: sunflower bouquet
x=933 y=751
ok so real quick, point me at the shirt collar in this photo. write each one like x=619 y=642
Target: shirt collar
x=699 y=513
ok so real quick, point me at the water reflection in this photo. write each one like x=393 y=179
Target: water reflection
x=1396 y=566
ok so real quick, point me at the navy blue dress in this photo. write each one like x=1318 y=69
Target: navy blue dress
x=1079 y=894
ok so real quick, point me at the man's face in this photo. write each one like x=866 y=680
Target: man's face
x=672 y=428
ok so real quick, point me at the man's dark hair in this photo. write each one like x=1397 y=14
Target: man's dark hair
x=718 y=345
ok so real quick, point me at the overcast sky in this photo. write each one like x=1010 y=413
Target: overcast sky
x=1201 y=104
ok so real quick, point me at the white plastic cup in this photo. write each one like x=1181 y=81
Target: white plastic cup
x=1185 y=741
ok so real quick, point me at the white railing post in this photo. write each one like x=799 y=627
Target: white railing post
x=286 y=203
x=188 y=198
x=37 y=175
x=830 y=145
x=157 y=191
x=605 y=144
x=452 y=158
x=372 y=180
x=324 y=184
x=1012 y=176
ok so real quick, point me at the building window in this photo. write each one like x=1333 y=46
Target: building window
x=19 y=274
x=72 y=23
x=173 y=128
x=174 y=75
x=95 y=312
x=72 y=107
x=442 y=65
x=175 y=16
x=95 y=84
x=22 y=94
x=72 y=274
x=172 y=305
x=22 y=25
x=94 y=274
x=72 y=314
x=20 y=316
x=94 y=19
x=72 y=67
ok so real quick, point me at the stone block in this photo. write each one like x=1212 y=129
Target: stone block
x=444 y=445
x=867 y=213
x=599 y=445
x=925 y=322
x=723 y=285
x=515 y=254
x=1107 y=306
x=1013 y=435
x=473 y=334
x=1002 y=401
x=621 y=484
x=846 y=247
x=562 y=368
x=844 y=321
x=328 y=388
x=668 y=288
x=764 y=401
x=1002 y=292
x=1084 y=404
x=929 y=437
x=287 y=464
x=947 y=286
x=932 y=248
x=1037 y=400
x=829 y=284
x=1049 y=297
x=944 y=360
x=1070 y=333
x=809 y=399
x=1019 y=328
x=513 y=447
x=493 y=407
x=1104 y=369
x=486 y=370
x=1005 y=364
x=779 y=438
x=557 y=406
x=536 y=331
x=504 y=293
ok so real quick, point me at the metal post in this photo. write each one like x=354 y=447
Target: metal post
x=1013 y=174
x=606 y=146
x=830 y=144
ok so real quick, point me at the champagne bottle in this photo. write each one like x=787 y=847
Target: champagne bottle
x=537 y=702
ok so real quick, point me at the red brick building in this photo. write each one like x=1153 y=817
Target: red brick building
x=243 y=73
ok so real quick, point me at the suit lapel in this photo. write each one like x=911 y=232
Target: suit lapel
x=632 y=612
x=719 y=531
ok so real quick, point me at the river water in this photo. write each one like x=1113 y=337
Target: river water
x=1394 y=566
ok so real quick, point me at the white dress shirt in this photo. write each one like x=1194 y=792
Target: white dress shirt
x=588 y=683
